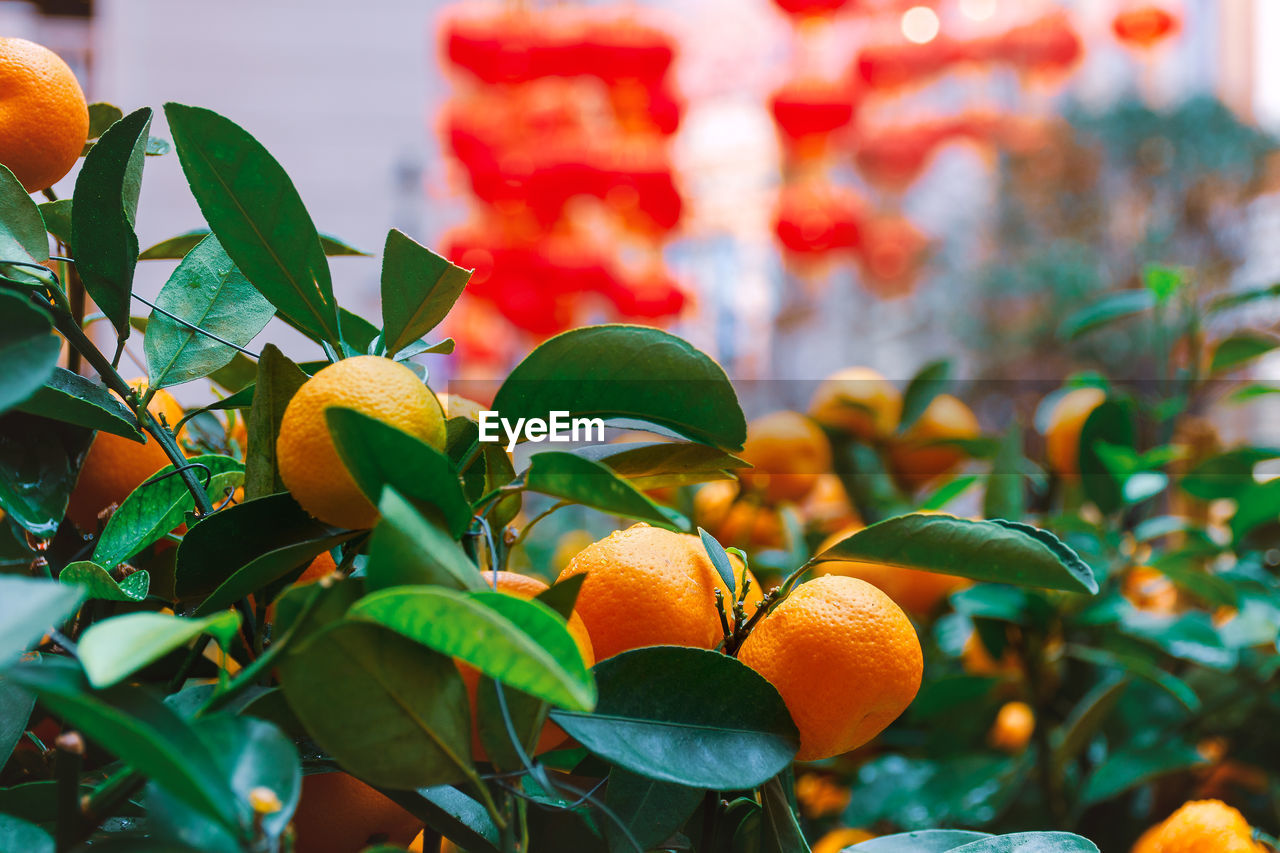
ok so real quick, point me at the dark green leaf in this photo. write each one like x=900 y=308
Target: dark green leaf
x=101 y=116
x=1228 y=474
x=28 y=609
x=453 y=814
x=28 y=350
x=240 y=372
x=780 y=829
x=98 y=583
x=418 y=289
x=522 y=643
x=946 y=695
x=15 y=713
x=652 y=465
x=206 y=290
x=176 y=247
x=1189 y=636
x=264 y=570
x=102 y=216
x=139 y=729
x=498 y=472
x=39 y=462
x=720 y=560
x=930 y=381
x=1005 y=495
x=870 y=485
x=279 y=379
x=650 y=810
x=686 y=716
x=1107 y=310
x=115 y=648
x=407 y=548
x=18 y=835
x=22 y=228
x=73 y=399
x=1140 y=667
x=562 y=595
x=573 y=478
x=997 y=551
x=1239 y=349
x=400 y=693
x=925 y=841
x=1086 y=719
x=1110 y=423
x=378 y=455
x=626 y=372
x=916 y=793
x=258 y=216
x=57 y=219
x=1242 y=297
x=1133 y=766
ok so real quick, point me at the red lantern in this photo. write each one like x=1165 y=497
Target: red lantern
x=810 y=8
x=894 y=158
x=654 y=295
x=893 y=66
x=813 y=220
x=1049 y=44
x=1144 y=27
x=810 y=108
x=893 y=254
x=627 y=50
x=645 y=108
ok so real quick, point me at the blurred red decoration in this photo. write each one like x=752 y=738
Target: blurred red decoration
x=814 y=220
x=897 y=65
x=894 y=158
x=1049 y=44
x=893 y=255
x=811 y=108
x=810 y=8
x=1144 y=27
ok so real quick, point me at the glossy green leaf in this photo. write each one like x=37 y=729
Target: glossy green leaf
x=15 y=713
x=1136 y=765
x=407 y=548
x=1140 y=668
x=523 y=719
x=1189 y=636
x=22 y=229
x=652 y=465
x=278 y=380
x=453 y=814
x=1031 y=842
x=1240 y=349
x=101 y=116
x=157 y=507
x=1005 y=495
x=258 y=216
x=378 y=455
x=137 y=728
x=573 y=478
x=924 y=841
x=522 y=643
x=779 y=827
x=687 y=716
x=629 y=372
x=930 y=381
x=418 y=289
x=57 y=219
x=176 y=248
x=73 y=399
x=1227 y=474
x=720 y=560
x=28 y=609
x=266 y=569
x=115 y=648
x=400 y=693
x=98 y=583
x=207 y=291
x=650 y=810
x=997 y=551
x=1111 y=423
x=39 y=463
x=102 y=216
x=1086 y=719
x=1107 y=310
x=918 y=793
x=28 y=350
x=18 y=835
x=1258 y=505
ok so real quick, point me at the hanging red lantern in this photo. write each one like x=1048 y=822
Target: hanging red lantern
x=896 y=65
x=810 y=8
x=1047 y=45
x=1143 y=27
x=813 y=220
x=646 y=108
x=892 y=255
x=653 y=295
x=625 y=50
x=811 y=108
x=894 y=158
x=642 y=189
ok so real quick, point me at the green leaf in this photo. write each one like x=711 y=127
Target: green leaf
x=157 y=507
x=573 y=478
x=1107 y=310
x=1136 y=765
x=453 y=814
x=176 y=247
x=1142 y=668
x=781 y=832
x=98 y=583
x=278 y=380
x=656 y=464
x=1005 y=496
x=1189 y=636
x=28 y=350
x=407 y=548
x=947 y=492
x=925 y=841
x=259 y=218
x=223 y=542
x=1163 y=281
x=930 y=381
x=997 y=551
x=206 y=290
x=870 y=485
x=115 y=648
x=1235 y=299
x=57 y=219
x=73 y=399
x=139 y=729
x=418 y=289
x=630 y=372
x=1228 y=474
x=915 y=793
x=561 y=596
x=650 y=810
x=1031 y=842
x=28 y=609
x=498 y=472
x=1110 y=423
x=102 y=216
x=395 y=691
x=720 y=560
x=39 y=463
x=101 y=116
x=686 y=716
x=265 y=570
x=521 y=643
x=1086 y=719
x=15 y=713
x=377 y=455
x=17 y=834
x=22 y=229
x=1240 y=349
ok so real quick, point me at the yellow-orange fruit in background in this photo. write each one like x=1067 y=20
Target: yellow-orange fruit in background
x=1066 y=421
x=44 y=120
x=845 y=659
x=788 y=451
x=838 y=839
x=827 y=508
x=522 y=586
x=917 y=592
x=309 y=461
x=337 y=813
x=737 y=523
x=1148 y=589
x=457 y=406
x=1201 y=826
x=647 y=587
x=915 y=459
x=1014 y=725
x=568 y=546
x=115 y=466
x=858 y=401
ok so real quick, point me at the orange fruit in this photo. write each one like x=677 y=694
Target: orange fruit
x=838 y=839
x=1148 y=589
x=309 y=461
x=648 y=587
x=845 y=659
x=858 y=401
x=819 y=795
x=788 y=451
x=978 y=661
x=915 y=459
x=457 y=406
x=918 y=593
x=523 y=586
x=737 y=523
x=44 y=120
x=337 y=813
x=827 y=507
x=1066 y=420
x=115 y=466
x=1014 y=725
x=1200 y=826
